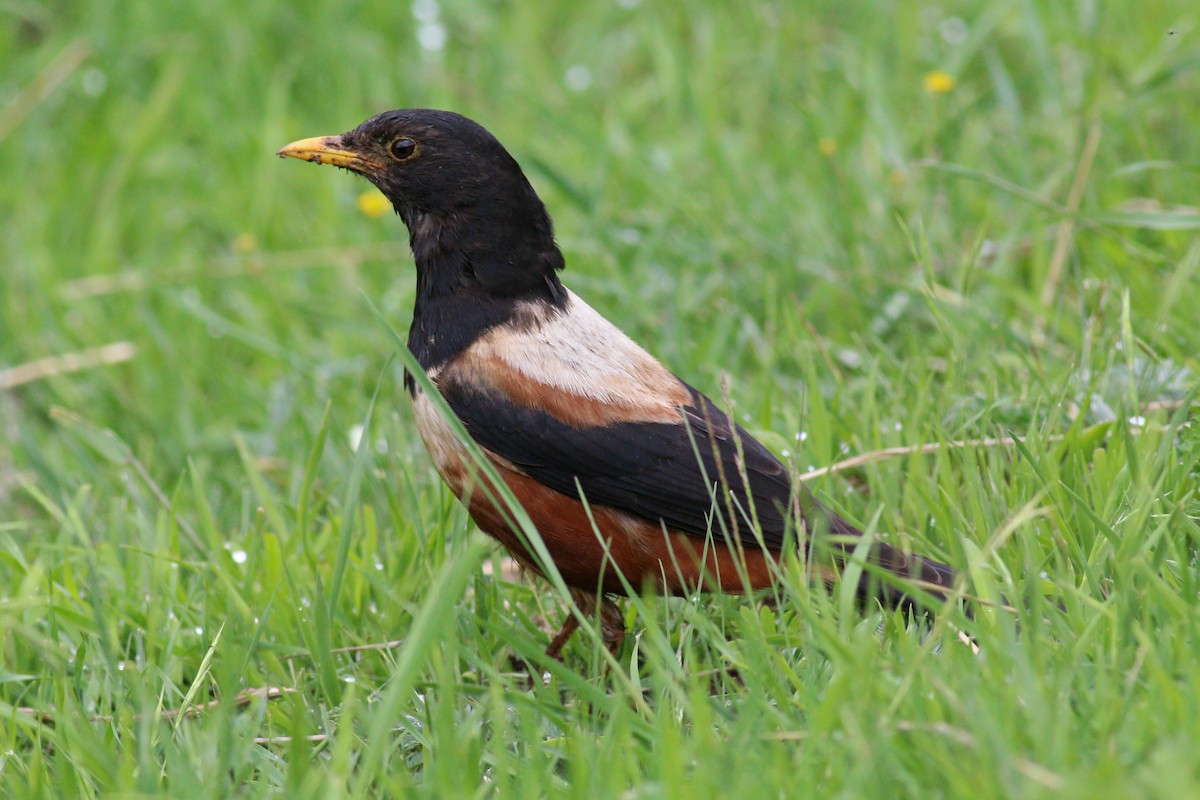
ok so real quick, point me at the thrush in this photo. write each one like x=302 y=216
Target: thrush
x=632 y=478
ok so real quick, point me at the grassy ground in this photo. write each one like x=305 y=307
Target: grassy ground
x=889 y=225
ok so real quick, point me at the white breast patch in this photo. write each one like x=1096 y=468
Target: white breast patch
x=580 y=352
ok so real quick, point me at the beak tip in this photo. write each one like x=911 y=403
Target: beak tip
x=302 y=150
x=328 y=150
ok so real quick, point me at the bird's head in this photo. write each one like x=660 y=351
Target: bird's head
x=434 y=161
x=456 y=188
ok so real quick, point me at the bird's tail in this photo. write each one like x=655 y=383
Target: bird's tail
x=918 y=576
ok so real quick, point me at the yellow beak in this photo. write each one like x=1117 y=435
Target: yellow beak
x=328 y=150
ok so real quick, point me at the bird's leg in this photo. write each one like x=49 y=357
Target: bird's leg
x=612 y=623
x=560 y=639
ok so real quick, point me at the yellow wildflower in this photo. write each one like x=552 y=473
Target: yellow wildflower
x=373 y=204
x=938 y=82
x=827 y=146
x=245 y=243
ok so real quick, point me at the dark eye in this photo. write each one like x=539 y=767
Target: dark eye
x=402 y=149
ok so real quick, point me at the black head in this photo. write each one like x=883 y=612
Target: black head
x=437 y=162
x=467 y=204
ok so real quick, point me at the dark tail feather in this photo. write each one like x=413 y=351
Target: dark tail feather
x=923 y=576
x=928 y=577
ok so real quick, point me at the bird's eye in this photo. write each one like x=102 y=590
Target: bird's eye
x=402 y=149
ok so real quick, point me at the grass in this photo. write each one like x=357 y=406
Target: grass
x=766 y=196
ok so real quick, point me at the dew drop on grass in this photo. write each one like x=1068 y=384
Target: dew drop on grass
x=432 y=36
x=199 y=631
x=238 y=556
x=578 y=78
x=849 y=357
x=630 y=236
x=426 y=10
x=356 y=434
x=94 y=82
x=660 y=158
x=953 y=30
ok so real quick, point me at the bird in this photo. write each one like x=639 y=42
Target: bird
x=634 y=479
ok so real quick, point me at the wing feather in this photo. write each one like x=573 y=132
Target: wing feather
x=674 y=474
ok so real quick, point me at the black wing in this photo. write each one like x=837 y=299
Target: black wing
x=660 y=472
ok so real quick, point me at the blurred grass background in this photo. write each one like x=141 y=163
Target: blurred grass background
x=887 y=223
